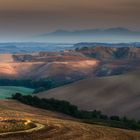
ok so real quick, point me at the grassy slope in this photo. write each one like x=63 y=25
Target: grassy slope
x=7 y=91
x=59 y=126
x=115 y=95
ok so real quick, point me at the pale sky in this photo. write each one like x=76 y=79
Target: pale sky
x=23 y=18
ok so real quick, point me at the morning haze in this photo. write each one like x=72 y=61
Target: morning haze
x=34 y=17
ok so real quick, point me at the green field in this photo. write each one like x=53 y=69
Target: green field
x=7 y=91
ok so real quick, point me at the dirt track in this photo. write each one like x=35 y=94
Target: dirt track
x=37 y=128
x=59 y=127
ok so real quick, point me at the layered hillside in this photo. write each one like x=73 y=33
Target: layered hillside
x=69 y=66
x=6 y=58
x=106 y=53
x=114 y=95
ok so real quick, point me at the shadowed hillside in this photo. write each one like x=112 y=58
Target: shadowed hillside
x=106 y=53
x=119 y=95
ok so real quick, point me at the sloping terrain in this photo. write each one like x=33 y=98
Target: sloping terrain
x=69 y=66
x=107 y=53
x=63 y=66
x=38 y=70
x=59 y=126
x=50 y=57
x=114 y=95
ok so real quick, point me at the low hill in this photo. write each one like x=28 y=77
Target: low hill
x=47 y=65
x=59 y=126
x=107 y=53
x=114 y=95
x=70 y=65
x=67 y=70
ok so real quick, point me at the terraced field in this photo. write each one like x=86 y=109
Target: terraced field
x=59 y=126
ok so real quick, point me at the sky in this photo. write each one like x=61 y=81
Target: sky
x=21 y=19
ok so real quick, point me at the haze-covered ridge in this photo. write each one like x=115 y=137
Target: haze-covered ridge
x=117 y=34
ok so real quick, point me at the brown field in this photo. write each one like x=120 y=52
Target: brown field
x=64 y=66
x=45 y=69
x=114 y=95
x=43 y=65
x=59 y=126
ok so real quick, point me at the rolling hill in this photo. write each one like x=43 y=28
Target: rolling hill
x=47 y=64
x=59 y=126
x=106 y=53
x=38 y=70
x=70 y=65
x=114 y=95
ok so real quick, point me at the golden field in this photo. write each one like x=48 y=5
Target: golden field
x=59 y=126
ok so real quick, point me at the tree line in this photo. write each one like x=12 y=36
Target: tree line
x=65 y=107
x=39 y=85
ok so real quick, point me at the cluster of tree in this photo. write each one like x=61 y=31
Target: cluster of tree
x=38 y=85
x=49 y=104
x=72 y=110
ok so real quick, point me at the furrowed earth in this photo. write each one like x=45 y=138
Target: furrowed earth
x=59 y=126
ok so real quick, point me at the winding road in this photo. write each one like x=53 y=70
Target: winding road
x=56 y=126
x=38 y=127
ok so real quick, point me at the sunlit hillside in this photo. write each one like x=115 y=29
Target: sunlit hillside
x=59 y=126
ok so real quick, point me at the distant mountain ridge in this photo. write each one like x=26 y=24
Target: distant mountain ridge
x=118 y=34
x=118 y=30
